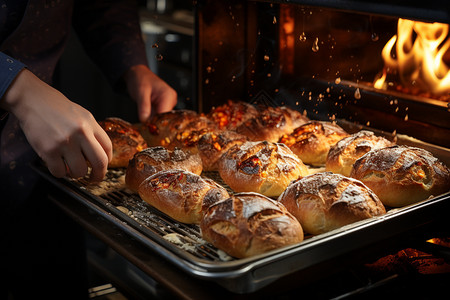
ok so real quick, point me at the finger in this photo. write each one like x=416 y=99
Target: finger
x=166 y=101
x=67 y=168
x=75 y=163
x=56 y=166
x=97 y=158
x=105 y=142
x=144 y=105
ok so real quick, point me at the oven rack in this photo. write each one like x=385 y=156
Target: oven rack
x=182 y=245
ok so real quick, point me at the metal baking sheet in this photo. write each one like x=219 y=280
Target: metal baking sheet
x=183 y=246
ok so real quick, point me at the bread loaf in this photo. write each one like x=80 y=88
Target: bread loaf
x=232 y=114
x=345 y=152
x=161 y=129
x=180 y=194
x=402 y=175
x=247 y=224
x=325 y=201
x=125 y=138
x=154 y=159
x=312 y=141
x=212 y=145
x=271 y=123
x=261 y=167
x=188 y=137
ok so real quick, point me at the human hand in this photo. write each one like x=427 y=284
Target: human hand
x=64 y=135
x=151 y=93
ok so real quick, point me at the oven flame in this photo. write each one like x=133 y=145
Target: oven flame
x=417 y=58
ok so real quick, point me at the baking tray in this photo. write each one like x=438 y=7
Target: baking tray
x=182 y=245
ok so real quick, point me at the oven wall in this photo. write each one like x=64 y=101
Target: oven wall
x=257 y=52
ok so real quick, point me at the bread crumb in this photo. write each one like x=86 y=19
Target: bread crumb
x=177 y=239
x=114 y=180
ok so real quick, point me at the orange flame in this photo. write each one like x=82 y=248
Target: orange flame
x=419 y=49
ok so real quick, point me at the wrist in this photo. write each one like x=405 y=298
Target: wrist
x=25 y=93
x=134 y=71
x=12 y=95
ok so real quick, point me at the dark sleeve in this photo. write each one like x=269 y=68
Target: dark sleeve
x=111 y=35
x=9 y=68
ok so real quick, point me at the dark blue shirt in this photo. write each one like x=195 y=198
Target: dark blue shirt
x=33 y=34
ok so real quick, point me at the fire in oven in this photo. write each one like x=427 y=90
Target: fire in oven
x=320 y=142
x=376 y=69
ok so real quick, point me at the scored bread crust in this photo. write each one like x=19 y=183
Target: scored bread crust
x=345 y=152
x=402 y=175
x=188 y=137
x=125 y=138
x=271 y=123
x=247 y=224
x=312 y=141
x=326 y=201
x=212 y=145
x=261 y=167
x=154 y=159
x=232 y=114
x=182 y=195
x=161 y=129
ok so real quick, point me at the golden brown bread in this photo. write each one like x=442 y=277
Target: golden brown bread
x=180 y=194
x=345 y=152
x=402 y=175
x=326 y=201
x=248 y=224
x=232 y=114
x=161 y=129
x=212 y=145
x=188 y=137
x=154 y=159
x=295 y=117
x=312 y=141
x=271 y=123
x=261 y=167
x=125 y=138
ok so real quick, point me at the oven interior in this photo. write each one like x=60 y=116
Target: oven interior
x=322 y=61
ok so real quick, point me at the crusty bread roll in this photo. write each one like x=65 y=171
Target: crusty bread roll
x=161 y=129
x=125 y=138
x=212 y=145
x=345 y=152
x=295 y=117
x=326 y=201
x=271 y=123
x=248 y=224
x=188 y=137
x=312 y=141
x=180 y=194
x=154 y=159
x=232 y=114
x=402 y=175
x=261 y=167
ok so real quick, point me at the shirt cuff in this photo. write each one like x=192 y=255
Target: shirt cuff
x=9 y=68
